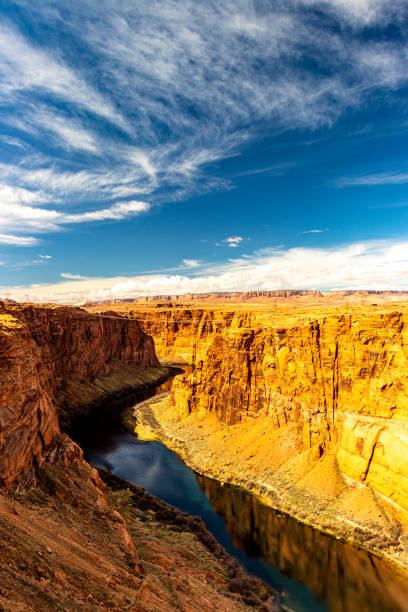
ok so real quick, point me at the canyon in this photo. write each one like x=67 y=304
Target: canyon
x=303 y=403
x=299 y=398
x=74 y=538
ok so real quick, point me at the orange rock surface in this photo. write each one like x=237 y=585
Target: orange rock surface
x=341 y=381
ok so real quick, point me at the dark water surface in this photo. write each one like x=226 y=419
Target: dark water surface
x=315 y=572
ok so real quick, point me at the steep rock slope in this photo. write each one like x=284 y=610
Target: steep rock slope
x=340 y=383
x=44 y=353
x=182 y=335
x=305 y=406
x=28 y=418
x=183 y=326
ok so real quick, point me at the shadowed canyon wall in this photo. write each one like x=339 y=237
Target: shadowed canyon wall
x=45 y=355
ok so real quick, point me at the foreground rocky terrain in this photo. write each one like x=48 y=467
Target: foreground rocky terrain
x=304 y=404
x=71 y=541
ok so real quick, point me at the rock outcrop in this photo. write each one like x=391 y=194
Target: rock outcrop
x=235 y=297
x=182 y=335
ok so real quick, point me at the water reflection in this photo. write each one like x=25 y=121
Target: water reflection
x=348 y=579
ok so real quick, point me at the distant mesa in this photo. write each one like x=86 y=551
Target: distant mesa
x=254 y=296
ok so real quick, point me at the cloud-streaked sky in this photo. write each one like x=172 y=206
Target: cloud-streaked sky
x=169 y=146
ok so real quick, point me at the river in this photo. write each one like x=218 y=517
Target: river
x=313 y=571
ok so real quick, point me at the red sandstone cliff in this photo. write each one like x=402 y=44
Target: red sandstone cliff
x=42 y=352
x=305 y=405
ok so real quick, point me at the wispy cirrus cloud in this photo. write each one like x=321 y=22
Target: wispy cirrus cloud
x=274 y=170
x=380 y=178
x=18 y=240
x=66 y=132
x=314 y=231
x=360 y=12
x=27 y=67
x=164 y=89
x=27 y=218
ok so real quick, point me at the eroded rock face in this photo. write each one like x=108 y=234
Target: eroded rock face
x=42 y=350
x=182 y=335
x=28 y=419
x=340 y=381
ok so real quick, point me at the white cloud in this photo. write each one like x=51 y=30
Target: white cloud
x=365 y=265
x=51 y=184
x=359 y=11
x=118 y=211
x=26 y=67
x=380 y=178
x=233 y=241
x=314 y=231
x=45 y=256
x=191 y=263
x=67 y=133
x=274 y=170
x=26 y=218
x=69 y=276
x=18 y=240
x=11 y=195
x=190 y=83
x=143 y=159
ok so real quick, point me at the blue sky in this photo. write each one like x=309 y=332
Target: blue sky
x=174 y=146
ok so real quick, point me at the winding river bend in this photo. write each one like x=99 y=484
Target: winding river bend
x=313 y=571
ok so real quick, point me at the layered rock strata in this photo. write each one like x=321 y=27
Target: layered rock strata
x=258 y=296
x=182 y=335
x=340 y=382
